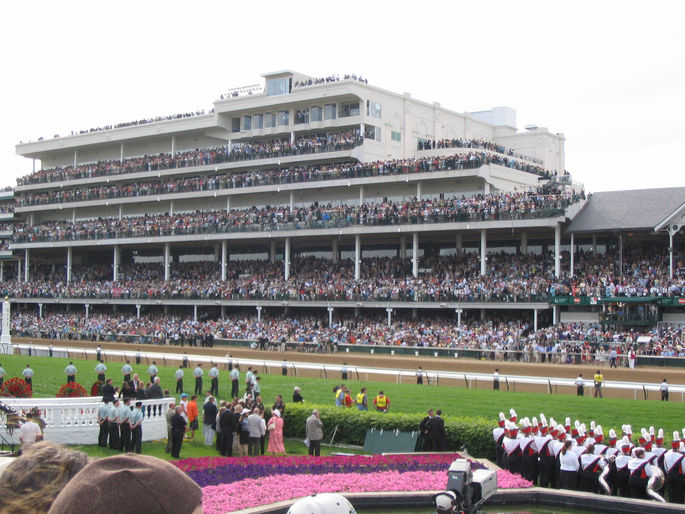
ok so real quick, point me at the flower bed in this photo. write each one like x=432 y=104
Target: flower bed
x=72 y=390
x=230 y=484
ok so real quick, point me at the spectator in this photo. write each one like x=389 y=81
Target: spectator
x=275 y=428
x=192 y=412
x=297 y=396
x=178 y=429
x=314 y=433
x=29 y=432
x=209 y=421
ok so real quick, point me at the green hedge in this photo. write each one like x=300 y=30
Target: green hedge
x=473 y=432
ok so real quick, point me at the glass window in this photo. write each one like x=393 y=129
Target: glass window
x=330 y=111
x=396 y=136
x=257 y=121
x=371 y=132
x=373 y=109
x=283 y=118
x=270 y=119
x=247 y=122
x=316 y=114
x=279 y=86
x=301 y=116
x=235 y=125
x=347 y=110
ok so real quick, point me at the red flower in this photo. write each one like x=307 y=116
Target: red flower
x=17 y=388
x=72 y=390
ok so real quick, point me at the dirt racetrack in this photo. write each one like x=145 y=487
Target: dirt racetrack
x=653 y=375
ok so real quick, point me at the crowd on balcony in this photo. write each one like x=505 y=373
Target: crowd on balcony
x=430 y=144
x=501 y=338
x=248 y=151
x=509 y=278
x=330 y=78
x=6 y=209
x=544 y=202
x=280 y=175
x=306 y=144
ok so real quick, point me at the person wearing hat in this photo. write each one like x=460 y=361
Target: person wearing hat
x=322 y=503
x=297 y=396
x=640 y=472
x=498 y=434
x=178 y=430
x=622 y=472
x=135 y=422
x=512 y=460
x=129 y=483
x=445 y=502
x=674 y=467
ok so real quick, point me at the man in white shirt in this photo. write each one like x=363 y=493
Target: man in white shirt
x=664 y=391
x=152 y=371
x=28 y=376
x=179 y=379
x=214 y=376
x=197 y=373
x=235 y=381
x=580 y=385
x=100 y=369
x=29 y=432
x=70 y=371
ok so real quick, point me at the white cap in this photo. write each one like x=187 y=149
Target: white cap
x=681 y=448
x=543 y=420
x=676 y=435
x=576 y=424
x=568 y=422
x=501 y=416
x=512 y=412
x=323 y=503
x=535 y=421
x=598 y=430
x=592 y=425
x=612 y=433
x=651 y=431
x=445 y=500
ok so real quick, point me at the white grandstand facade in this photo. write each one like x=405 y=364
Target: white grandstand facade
x=334 y=169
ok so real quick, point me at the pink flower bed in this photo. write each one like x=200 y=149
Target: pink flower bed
x=249 y=493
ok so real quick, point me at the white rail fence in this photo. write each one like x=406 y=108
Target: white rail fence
x=640 y=390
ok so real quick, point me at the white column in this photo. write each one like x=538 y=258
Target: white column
x=573 y=254
x=292 y=200
x=34 y=165
x=259 y=313
x=171 y=208
x=535 y=320
x=459 y=312
x=224 y=259
x=173 y=145
x=594 y=244
x=555 y=314
x=334 y=251
x=286 y=258
x=415 y=255
x=483 y=252
x=418 y=191
x=26 y=264
x=389 y=311
x=137 y=311
x=195 y=312
x=18 y=270
x=357 y=256
x=330 y=317
x=403 y=247
x=121 y=152
x=6 y=337
x=460 y=244
x=115 y=263
x=120 y=211
x=73 y=215
x=228 y=204
x=75 y=157
x=40 y=310
x=670 y=252
x=620 y=253
x=361 y=195
x=2 y=271
x=167 y=261
x=557 y=250
x=486 y=188
x=524 y=242
x=272 y=252
x=292 y=136
x=87 y=311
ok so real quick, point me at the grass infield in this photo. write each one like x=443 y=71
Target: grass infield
x=408 y=398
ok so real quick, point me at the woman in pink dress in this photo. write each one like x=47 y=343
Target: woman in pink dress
x=275 y=428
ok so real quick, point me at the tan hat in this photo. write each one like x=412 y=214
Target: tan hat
x=130 y=484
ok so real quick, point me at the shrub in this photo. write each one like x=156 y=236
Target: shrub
x=474 y=433
x=17 y=388
x=72 y=390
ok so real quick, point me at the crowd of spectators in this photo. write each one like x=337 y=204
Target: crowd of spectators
x=544 y=202
x=306 y=144
x=330 y=78
x=429 y=144
x=6 y=209
x=281 y=175
x=509 y=277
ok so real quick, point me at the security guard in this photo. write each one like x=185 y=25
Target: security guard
x=124 y=427
x=152 y=371
x=113 y=422
x=70 y=371
x=179 y=380
x=197 y=373
x=214 y=375
x=381 y=402
x=126 y=369
x=362 y=400
x=103 y=413
x=135 y=422
x=235 y=382
x=100 y=369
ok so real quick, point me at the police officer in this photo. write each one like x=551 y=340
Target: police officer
x=100 y=369
x=113 y=422
x=152 y=371
x=135 y=421
x=126 y=369
x=235 y=382
x=28 y=376
x=70 y=371
x=124 y=427
x=197 y=373
x=214 y=376
x=179 y=380
x=103 y=413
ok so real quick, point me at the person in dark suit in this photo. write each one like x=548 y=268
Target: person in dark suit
x=156 y=392
x=178 y=429
x=436 y=432
x=424 y=443
x=227 y=423
x=108 y=391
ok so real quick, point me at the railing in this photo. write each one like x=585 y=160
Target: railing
x=75 y=420
x=227 y=227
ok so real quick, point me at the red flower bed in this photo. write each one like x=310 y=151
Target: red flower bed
x=17 y=388
x=72 y=390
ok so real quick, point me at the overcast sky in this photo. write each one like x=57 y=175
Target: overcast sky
x=609 y=75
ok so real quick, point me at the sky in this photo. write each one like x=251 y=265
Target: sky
x=608 y=75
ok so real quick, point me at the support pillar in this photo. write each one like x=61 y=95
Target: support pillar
x=557 y=250
x=555 y=314
x=195 y=312
x=620 y=254
x=389 y=311
x=535 y=320
x=228 y=204
x=414 y=313
x=330 y=317
x=357 y=256
x=40 y=310
x=171 y=208
x=418 y=191
x=173 y=145
x=2 y=271
x=459 y=313
x=403 y=247
x=361 y=195
x=594 y=244
x=524 y=242
x=334 y=251
x=121 y=152
x=259 y=313
x=482 y=314
x=272 y=252
x=18 y=270
x=87 y=310
x=26 y=264
x=286 y=258
x=573 y=255
x=670 y=252
x=121 y=211
x=115 y=263
x=292 y=200
x=460 y=244
x=167 y=261
x=75 y=157
x=224 y=259
x=415 y=255
x=137 y=311
x=483 y=252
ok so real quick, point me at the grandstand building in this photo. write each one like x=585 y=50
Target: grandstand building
x=307 y=170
